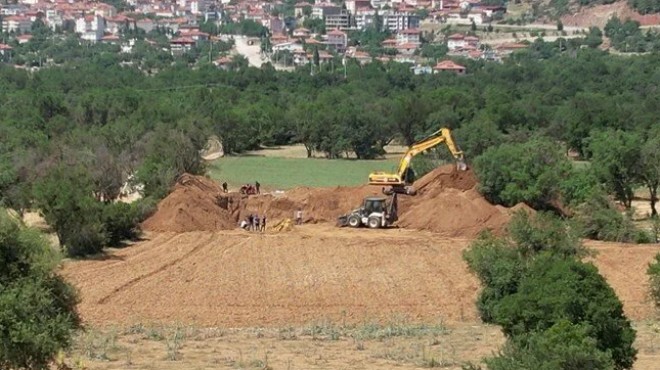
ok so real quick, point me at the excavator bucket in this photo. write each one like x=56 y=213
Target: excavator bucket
x=461 y=165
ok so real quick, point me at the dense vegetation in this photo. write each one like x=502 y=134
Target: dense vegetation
x=37 y=307
x=556 y=311
x=88 y=126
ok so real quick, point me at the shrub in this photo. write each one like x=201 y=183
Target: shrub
x=498 y=267
x=37 y=307
x=527 y=172
x=557 y=289
x=562 y=346
x=654 y=280
x=599 y=219
x=122 y=221
x=544 y=232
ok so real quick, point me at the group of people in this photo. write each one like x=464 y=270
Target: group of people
x=257 y=187
x=253 y=223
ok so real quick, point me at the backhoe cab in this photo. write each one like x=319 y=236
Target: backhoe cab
x=399 y=182
x=375 y=212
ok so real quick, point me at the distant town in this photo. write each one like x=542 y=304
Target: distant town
x=291 y=34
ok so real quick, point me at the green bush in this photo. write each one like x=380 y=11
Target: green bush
x=562 y=346
x=121 y=221
x=37 y=307
x=654 y=280
x=555 y=289
x=557 y=312
x=499 y=268
x=544 y=232
x=527 y=172
x=599 y=219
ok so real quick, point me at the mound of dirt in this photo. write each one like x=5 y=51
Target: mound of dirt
x=195 y=204
x=447 y=203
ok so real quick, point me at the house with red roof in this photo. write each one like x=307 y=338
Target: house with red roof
x=449 y=66
x=337 y=39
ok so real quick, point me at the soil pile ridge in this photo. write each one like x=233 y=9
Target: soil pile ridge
x=447 y=203
x=195 y=204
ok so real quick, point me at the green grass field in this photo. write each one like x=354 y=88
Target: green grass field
x=285 y=173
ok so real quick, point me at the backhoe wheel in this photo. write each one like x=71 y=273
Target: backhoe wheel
x=374 y=222
x=353 y=221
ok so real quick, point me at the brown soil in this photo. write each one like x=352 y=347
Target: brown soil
x=447 y=203
x=314 y=272
x=597 y=16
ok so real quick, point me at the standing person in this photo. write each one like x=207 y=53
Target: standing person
x=224 y=186
x=258 y=186
x=263 y=223
x=256 y=222
x=299 y=217
x=250 y=221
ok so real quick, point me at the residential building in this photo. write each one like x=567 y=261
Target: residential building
x=407 y=48
x=299 y=9
x=449 y=66
x=16 y=23
x=117 y=24
x=341 y=20
x=322 y=10
x=338 y=40
x=353 y=5
x=5 y=51
x=392 y=20
x=91 y=28
x=410 y=35
x=301 y=32
x=456 y=41
x=422 y=70
x=180 y=45
x=223 y=62
x=288 y=46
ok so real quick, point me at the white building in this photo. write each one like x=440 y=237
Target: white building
x=392 y=20
x=90 y=28
x=16 y=23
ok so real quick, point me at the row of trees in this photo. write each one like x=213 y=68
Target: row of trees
x=111 y=122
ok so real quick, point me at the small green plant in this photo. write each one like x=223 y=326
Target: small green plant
x=174 y=343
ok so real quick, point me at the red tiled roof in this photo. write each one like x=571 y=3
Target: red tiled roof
x=337 y=32
x=407 y=45
x=456 y=36
x=5 y=47
x=410 y=31
x=182 y=40
x=448 y=65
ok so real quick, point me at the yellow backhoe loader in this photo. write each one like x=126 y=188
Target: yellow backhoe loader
x=399 y=182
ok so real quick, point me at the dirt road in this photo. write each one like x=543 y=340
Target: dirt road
x=238 y=279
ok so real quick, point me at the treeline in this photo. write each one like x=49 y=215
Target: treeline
x=645 y=6
x=107 y=123
x=627 y=36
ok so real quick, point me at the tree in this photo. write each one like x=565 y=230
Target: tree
x=554 y=290
x=65 y=198
x=37 y=307
x=316 y=56
x=529 y=172
x=547 y=300
x=650 y=167
x=616 y=156
x=560 y=25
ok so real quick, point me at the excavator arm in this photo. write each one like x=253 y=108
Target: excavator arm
x=398 y=180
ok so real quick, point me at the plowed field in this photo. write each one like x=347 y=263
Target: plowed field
x=241 y=279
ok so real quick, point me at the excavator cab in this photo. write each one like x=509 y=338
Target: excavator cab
x=400 y=181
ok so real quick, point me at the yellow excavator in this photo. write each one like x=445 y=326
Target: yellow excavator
x=400 y=181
